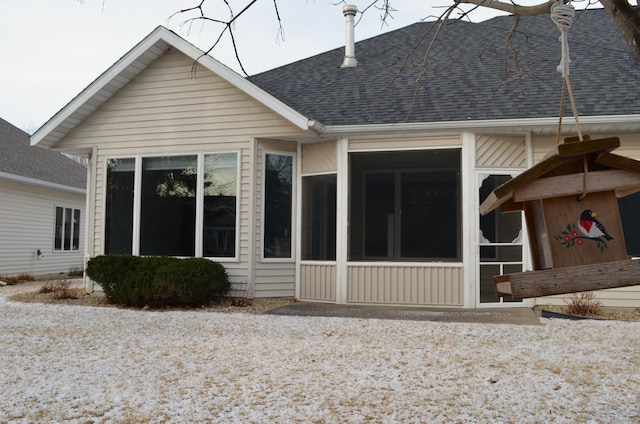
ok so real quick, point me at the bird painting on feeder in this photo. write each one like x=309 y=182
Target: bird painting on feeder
x=591 y=227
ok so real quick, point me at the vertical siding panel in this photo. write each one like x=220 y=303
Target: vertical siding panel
x=317 y=282
x=405 y=284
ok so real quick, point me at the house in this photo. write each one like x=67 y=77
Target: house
x=42 y=207
x=336 y=179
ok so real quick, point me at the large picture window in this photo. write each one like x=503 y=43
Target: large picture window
x=170 y=191
x=319 y=217
x=67 y=229
x=405 y=205
x=277 y=205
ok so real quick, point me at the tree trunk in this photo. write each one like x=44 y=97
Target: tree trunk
x=626 y=19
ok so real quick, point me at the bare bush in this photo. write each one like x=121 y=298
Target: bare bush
x=60 y=289
x=584 y=303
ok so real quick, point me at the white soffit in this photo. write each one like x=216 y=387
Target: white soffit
x=130 y=66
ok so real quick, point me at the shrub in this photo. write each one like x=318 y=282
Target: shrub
x=159 y=281
x=584 y=304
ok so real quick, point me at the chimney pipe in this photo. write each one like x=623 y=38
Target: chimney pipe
x=349 y=12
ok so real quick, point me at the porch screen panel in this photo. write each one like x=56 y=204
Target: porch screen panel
x=405 y=206
x=168 y=206
x=119 y=206
x=220 y=204
x=319 y=217
x=278 y=184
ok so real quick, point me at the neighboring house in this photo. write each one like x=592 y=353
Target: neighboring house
x=342 y=184
x=42 y=207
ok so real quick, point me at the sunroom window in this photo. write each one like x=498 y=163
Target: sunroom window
x=277 y=206
x=167 y=219
x=629 y=212
x=220 y=199
x=168 y=206
x=118 y=235
x=405 y=206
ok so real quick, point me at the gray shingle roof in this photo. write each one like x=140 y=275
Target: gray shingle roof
x=467 y=76
x=17 y=157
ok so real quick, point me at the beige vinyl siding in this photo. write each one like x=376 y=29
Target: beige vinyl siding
x=273 y=278
x=391 y=142
x=500 y=151
x=411 y=284
x=318 y=282
x=166 y=111
x=27 y=221
x=319 y=157
x=619 y=297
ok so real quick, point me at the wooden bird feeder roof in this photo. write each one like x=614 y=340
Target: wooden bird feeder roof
x=561 y=173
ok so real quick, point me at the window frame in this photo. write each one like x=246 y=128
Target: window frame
x=199 y=223
x=72 y=232
x=263 y=226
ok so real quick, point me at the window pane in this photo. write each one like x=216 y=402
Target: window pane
x=58 y=229
x=220 y=201
x=319 y=217
x=68 y=226
x=430 y=221
x=278 y=183
x=405 y=205
x=119 y=206
x=168 y=206
x=629 y=212
x=380 y=218
x=76 y=230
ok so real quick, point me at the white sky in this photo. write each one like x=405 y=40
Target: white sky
x=51 y=50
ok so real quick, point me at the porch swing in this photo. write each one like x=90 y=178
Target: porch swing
x=579 y=179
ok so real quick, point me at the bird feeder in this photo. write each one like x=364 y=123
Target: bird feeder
x=575 y=232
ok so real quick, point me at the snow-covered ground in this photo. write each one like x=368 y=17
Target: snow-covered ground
x=82 y=364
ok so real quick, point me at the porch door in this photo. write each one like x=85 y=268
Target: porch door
x=500 y=248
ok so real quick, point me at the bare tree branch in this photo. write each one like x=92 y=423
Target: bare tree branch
x=511 y=7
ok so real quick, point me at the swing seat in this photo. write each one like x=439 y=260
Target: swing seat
x=571 y=250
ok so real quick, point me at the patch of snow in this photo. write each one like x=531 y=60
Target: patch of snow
x=82 y=364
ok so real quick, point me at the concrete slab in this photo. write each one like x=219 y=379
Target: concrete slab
x=515 y=316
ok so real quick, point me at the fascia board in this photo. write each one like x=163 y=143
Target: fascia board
x=475 y=125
